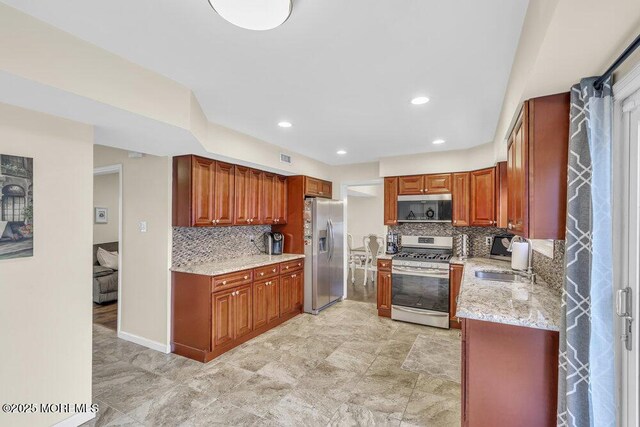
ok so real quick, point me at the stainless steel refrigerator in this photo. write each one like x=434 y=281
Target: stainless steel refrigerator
x=324 y=254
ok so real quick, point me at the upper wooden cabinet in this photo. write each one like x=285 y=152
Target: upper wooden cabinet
x=391 y=201
x=211 y=193
x=537 y=169
x=314 y=187
x=203 y=192
x=501 y=195
x=424 y=184
x=483 y=197
x=460 y=199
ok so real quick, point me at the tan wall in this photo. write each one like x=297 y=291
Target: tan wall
x=106 y=193
x=146 y=196
x=45 y=300
x=365 y=216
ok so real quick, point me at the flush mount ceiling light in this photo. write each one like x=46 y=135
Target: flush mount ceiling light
x=439 y=141
x=284 y=124
x=341 y=152
x=419 y=100
x=256 y=15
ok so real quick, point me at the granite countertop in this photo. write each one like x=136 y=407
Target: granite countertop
x=385 y=256
x=512 y=303
x=216 y=268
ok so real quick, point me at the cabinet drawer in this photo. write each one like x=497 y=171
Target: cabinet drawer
x=296 y=264
x=384 y=264
x=266 y=271
x=230 y=280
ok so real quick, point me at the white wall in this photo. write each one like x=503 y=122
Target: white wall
x=146 y=196
x=105 y=195
x=45 y=300
x=365 y=215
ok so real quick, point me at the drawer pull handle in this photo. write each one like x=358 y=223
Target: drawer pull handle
x=294 y=275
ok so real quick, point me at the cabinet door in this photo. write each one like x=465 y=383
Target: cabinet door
x=260 y=304
x=280 y=202
x=390 y=201
x=437 y=184
x=254 y=202
x=326 y=189
x=408 y=185
x=273 y=300
x=517 y=177
x=286 y=303
x=297 y=288
x=483 y=197
x=460 y=199
x=243 y=311
x=501 y=195
x=222 y=312
x=203 y=176
x=268 y=197
x=384 y=293
x=455 y=280
x=312 y=186
x=223 y=194
x=242 y=190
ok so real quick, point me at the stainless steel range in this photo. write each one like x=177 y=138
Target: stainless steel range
x=420 y=281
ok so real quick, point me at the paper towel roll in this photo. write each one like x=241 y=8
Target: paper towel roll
x=520 y=256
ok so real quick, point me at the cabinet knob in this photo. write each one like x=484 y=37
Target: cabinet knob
x=294 y=275
x=287 y=267
x=388 y=275
x=274 y=270
x=224 y=282
x=248 y=221
x=246 y=277
x=426 y=190
x=262 y=273
x=299 y=264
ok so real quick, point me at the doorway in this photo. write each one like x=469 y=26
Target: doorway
x=364 y=213
x=106 y=282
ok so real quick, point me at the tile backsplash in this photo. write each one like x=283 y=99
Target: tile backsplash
x=549 y=269
x=192 y=245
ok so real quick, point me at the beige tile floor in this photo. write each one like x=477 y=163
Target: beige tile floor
x=344 y=367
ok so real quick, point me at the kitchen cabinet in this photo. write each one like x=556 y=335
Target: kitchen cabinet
x=537 y=168
x=501 y=195
x=509 y=375
x=223 y=193
x=455 y=281
x=384 y=288
x=411 y=185
x=248 y=196
x=483 y=197
x=460 y=199
x=391 y=201
x=437 y=183
x=213 y=314
x=314 y=187
x=280 y=200
x=203 y=173
x=268 y=198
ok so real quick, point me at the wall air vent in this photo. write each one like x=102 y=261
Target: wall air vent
x=285 y=158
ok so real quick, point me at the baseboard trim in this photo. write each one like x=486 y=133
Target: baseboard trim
x=153 y=345
x=76 y=419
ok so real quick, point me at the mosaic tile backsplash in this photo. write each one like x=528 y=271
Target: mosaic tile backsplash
x=549 y=269
x=193 y=245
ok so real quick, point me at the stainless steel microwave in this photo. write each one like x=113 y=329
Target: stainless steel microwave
x=425 y=208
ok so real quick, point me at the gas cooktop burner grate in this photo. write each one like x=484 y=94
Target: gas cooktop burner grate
x=417 y=256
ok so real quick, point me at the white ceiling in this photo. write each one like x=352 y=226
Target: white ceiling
x=343 y=72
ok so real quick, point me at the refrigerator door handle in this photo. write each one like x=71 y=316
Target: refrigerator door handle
x=333 y=239
x=329 y=238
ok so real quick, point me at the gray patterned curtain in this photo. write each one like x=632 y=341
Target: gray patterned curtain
x=586 y=392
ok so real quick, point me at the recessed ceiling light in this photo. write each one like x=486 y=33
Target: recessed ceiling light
x=439 y=141
x=419 y=100
x=285 y=124
x=341 y=152
x=253 y=14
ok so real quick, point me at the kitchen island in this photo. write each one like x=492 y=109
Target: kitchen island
x=509 y=348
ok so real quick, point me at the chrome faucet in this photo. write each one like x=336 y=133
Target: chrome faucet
x=529 y=274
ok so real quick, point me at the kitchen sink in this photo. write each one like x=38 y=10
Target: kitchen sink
x=500 y=276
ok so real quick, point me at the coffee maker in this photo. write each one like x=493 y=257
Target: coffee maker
x=274 y=243
x=393 y=242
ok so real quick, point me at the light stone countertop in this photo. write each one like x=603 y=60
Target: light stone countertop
x=512 y=303
x=217 y=268
x=385 y=256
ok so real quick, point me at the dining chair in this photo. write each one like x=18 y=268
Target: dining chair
x=374 y=247
x=356 y=259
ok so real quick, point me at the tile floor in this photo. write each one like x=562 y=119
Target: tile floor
x=345 y=366
x=357 y=292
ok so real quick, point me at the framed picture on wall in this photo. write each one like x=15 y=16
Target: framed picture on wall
x=101 y=215
x=16 y=207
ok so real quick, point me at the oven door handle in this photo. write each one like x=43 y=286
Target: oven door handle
x=419 y=311
x=421 y=273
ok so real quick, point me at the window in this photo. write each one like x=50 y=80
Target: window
x=13 y=203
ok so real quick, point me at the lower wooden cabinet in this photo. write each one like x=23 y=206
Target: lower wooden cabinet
x=455 y=280
x=384 y=288
x=509 y=375
x=211 y=315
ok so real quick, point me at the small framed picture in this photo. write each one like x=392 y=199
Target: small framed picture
x=101 y=215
